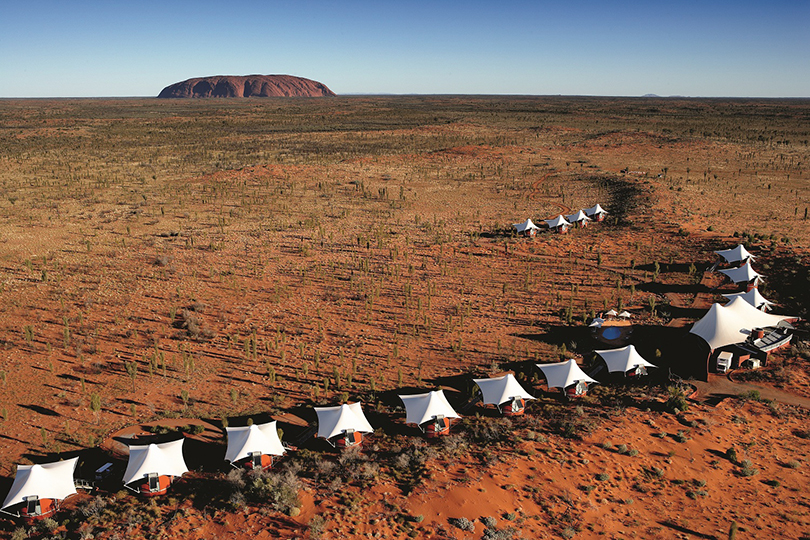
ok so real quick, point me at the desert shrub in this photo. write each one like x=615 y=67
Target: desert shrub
x=681 y=437
x=489 y=522
x=607 y=445
x=697 y=493
x=493 y=533
x=462 y=523
x=773 y=483
x=510 y=516
x=602 y=477
x=278 y=490
x=633 y=452
x=793 y=464
x=19 y=534
x=622 y=449
x=316 y=526
x=677 y=400
x=747 y=468
x=488 y=431
x=731 y=454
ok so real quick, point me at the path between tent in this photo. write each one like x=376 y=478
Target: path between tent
x=534 y=195
x=719 y=387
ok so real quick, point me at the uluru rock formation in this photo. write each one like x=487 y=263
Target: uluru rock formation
x=228 y=86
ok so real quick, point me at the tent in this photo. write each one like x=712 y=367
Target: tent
x=612 y=313
x=754 y=298
x=625 y=359
x=625 y=315
x=558 y=223
x=597 y=322
x=155 y=465
x=527 y=227
x=506 y=389
x=754 y=317
x=732 y=323
x=431 y=408
x=735 y=255
x=343 y=420
x=743 y=274
x=258 y=442
x=579 y=217
x=566 y=374
x=42 y=486
x=596 y=212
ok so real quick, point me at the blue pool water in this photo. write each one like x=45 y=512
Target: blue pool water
x=611 y=332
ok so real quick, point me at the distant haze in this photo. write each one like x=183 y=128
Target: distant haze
x=581 y=47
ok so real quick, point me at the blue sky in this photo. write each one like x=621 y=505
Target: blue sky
x=132 y=48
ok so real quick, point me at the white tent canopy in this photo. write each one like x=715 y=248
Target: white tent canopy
x=337 y=420
x=525 y=226
x=623 y=359
x=625 y=315
x=753 y=297
x=165 y=459
x=579 y=216
x=421 y=408
x=612 y=313
x=47 y=481
x=754 y=317
x=594 y=210
x=735 y=255
x=597 y=322
x=743 y=274
x=256 y=438
x=497 y=390
x=732 y=323
x=558 y=221
x=564 y=374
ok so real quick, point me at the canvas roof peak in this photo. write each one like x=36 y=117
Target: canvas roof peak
x=623 y=359
x=497 y=390
x=564 y=374
x=255 y=438
x=732 y=323
x=421 y=408
x=165 y=459
x=754 y=317
x=579 y=216
x=595 y=209
x=47 y=481
x=336 y=420
x=525 y=226
x=558 y=221
x=735 y=254
x=742 y=274
x=753 y=297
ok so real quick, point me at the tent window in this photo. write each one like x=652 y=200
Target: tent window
x=32 y=506
x=154 y=482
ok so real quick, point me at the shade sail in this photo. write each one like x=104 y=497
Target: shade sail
x=743 y=274
x=595 y=209
x=165 y=459
x=336 y=420
x=623 y=359
x=421 y=408
x=525 y=226
x=597 y=322
x=558 y=221
x=256 y=438
x=46 y=481
x=736 y=254
x=564 y=374
x=753 y=297
x=754 y=317
x=612 y=313
x=720 y=327
x=579 y=216
x=497 y=390
x=625 y=314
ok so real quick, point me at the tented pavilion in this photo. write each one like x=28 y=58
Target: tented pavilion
x=152 y=468
x=579 y=218
x=506 y=393
x=596 y=212
x=38 y=489
x=754 y=298
x=527 y=228
x=430 y=411
x=567 y=376
x=343 y=425
x=256 y=444
x=625 y=360
x=743 y=274
x=559 y=224
x=735 y=255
